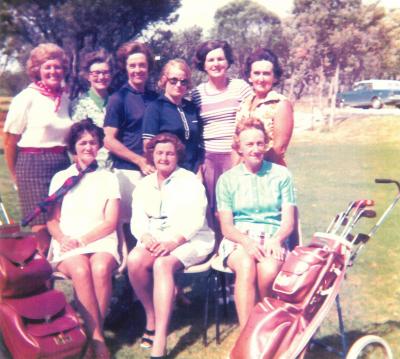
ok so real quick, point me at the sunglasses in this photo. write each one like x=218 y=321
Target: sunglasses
x=174 y=81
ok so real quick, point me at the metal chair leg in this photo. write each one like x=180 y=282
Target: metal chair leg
x=209 y=283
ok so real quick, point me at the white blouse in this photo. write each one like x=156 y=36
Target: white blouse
x=32 y=115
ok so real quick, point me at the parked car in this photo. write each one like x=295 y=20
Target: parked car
x=371 y=93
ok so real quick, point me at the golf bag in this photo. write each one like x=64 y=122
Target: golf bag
x=35 y=322
x=303 y=292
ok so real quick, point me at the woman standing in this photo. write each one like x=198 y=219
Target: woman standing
x=169 y=222
x=218 y=100
x=174 y=114
x=83 y=227
x=256 y=207
x=35 y=130
x=123 y=124
x=97 y=70
x=273 y=109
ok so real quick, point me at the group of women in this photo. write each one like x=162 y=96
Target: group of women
x=166 y=173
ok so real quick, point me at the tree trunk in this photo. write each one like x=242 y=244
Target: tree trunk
x=334 y=89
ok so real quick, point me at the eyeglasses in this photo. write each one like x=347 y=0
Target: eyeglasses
x=174 y=81
x=97 y=73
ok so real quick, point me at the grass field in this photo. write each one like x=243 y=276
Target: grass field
x=330 y=170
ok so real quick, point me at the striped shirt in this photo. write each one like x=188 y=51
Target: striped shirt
x=218 y=112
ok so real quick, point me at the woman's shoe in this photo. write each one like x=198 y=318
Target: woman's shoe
x=146 y=342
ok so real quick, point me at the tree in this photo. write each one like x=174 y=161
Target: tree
x=78 y=25
x=246 y=25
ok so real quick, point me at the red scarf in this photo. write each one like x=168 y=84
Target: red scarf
x=55 y=95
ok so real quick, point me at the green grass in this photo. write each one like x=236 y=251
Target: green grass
x=330 y=170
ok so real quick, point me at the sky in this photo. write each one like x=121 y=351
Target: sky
x=201 y=12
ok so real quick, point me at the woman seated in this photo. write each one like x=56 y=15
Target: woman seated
x=168 y=219
x=84 y=241
x=256 y=211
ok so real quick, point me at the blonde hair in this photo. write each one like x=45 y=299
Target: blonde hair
x=181 y=65
x=42 y=53
x=247 y=124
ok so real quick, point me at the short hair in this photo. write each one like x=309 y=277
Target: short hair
x=179 y=63
x=247 y=124
x=96 y=57
x=261 y=54
x=42 y=53
x=79 y=128
x=204 y=48
x=134 y=47
x=165 y=137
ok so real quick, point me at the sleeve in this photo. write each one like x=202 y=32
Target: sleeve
x=112 y=186
x=191 y=211
x=245 y=91
x=223 y=194
x=114 y=112
x=17 y=116
x=78 y=110
x=139 y=219
x=151 y=121
x=287 y=190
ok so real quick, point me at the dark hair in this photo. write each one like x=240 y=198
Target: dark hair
x=94 y=57
x=134 y=47
x=165 y=137
x=247 y=124
x=78 y=129
x=261 y=54
x=204 y=48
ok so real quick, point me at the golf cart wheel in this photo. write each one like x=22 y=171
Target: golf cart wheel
x=376 y=103
x=370 y=347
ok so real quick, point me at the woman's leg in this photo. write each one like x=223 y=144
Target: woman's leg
x=245 y=270
x=140 y=271
x=102 y=265
x=78 y=269
x=267 y=271
x=164 y=288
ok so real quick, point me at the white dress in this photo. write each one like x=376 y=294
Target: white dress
x=82 y=210
x=177 y=208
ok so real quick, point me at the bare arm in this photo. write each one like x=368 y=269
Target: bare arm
x=10 y=152
x=283 y=129
x=119 y=149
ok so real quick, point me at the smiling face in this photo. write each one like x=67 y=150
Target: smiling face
x=216 y=64
x=99 y=77
x=252 y=146
x=176 y=84
x=52 y=73
x=137 y=69
x=86 y=149
x=262 y=77
x=165 y=158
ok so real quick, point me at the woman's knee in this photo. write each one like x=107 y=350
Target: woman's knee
x=243 y=265
x=78 y=268
x=165 y=266
x=103 y=268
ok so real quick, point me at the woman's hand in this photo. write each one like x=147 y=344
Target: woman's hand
x=68 y=244
x=254 y=250
x=145 y=167
x=273 y=248
x=163 y=248
x=148 y=240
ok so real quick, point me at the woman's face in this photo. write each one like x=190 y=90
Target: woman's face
x=177 y=84
x=262 y=77
x=252 y=147
x=99 y=76
x=216 y=64
x=165 y=158
x=52 y=73
x=137 y=70
x=86 y=148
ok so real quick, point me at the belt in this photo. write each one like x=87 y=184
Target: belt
x=55 y=149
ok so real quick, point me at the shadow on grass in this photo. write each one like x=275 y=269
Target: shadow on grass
x=316 y=351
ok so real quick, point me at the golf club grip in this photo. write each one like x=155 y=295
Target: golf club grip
x=383 y=180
